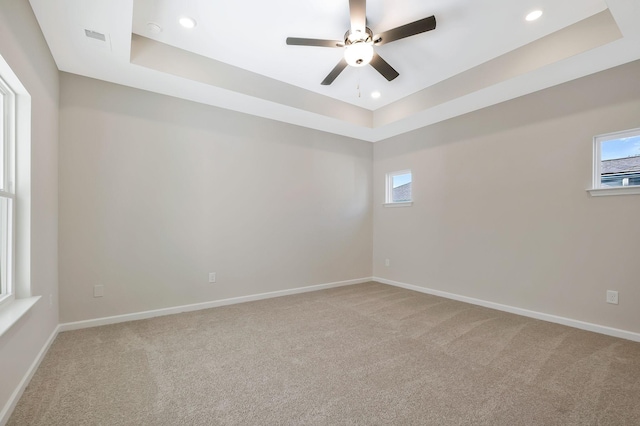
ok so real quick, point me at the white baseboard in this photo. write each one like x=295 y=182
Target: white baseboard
x=17 y=393
x=15 y=397
x=609 y=331
x=204 y=305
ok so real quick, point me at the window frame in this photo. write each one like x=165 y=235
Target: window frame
x=388 y=197
x=20 y=300
x=596 y=184
x=7 y=191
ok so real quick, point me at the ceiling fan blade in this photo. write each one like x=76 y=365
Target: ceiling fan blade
x=358 y=13
x=383 y=67
x=295 y=41
x=417 y=27
x=335 y=72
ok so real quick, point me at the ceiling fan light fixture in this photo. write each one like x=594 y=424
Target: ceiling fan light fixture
x=358 y=54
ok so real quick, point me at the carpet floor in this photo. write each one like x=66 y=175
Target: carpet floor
x=362 y=354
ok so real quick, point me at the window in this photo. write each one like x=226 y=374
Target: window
x=398 y=189
x=15 y=203
x=7 y=193
x=616 y=163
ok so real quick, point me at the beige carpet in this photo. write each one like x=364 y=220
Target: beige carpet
x=363 y=354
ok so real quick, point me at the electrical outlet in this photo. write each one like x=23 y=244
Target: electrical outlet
x=387 y=262
x=612 y=297
x=98 y=290
x=212 y=277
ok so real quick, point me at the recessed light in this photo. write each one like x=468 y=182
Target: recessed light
x=533 y=15
x=375 y=95
x=187 y=22
x=154 y=28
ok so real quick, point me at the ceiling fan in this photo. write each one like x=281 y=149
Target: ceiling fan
x=359 y=41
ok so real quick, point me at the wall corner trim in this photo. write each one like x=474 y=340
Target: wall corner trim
x=596 y=328
x=7 y=410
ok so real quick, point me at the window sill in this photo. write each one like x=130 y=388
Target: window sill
x=619 y=190
x=13 y=311
x=407 y=204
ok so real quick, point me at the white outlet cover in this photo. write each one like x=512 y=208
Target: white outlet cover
x=612 y=297
x=212 y=277
x=98 y=290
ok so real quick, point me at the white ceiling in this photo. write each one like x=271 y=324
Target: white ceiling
x=481 y=53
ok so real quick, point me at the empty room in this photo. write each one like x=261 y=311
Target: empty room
x=410 y=212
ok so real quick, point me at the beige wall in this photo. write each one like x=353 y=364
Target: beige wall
x=501 y=213
x=26 y=52
x=156 y=192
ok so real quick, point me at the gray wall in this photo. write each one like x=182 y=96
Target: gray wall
x=501 y=212
x=156 y=192
x=26 y=52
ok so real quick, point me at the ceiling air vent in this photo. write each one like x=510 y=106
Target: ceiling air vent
x=95 y=35
x=96 y=39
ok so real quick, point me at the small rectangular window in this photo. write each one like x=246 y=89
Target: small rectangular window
x=398 y=188
x=616 y=158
